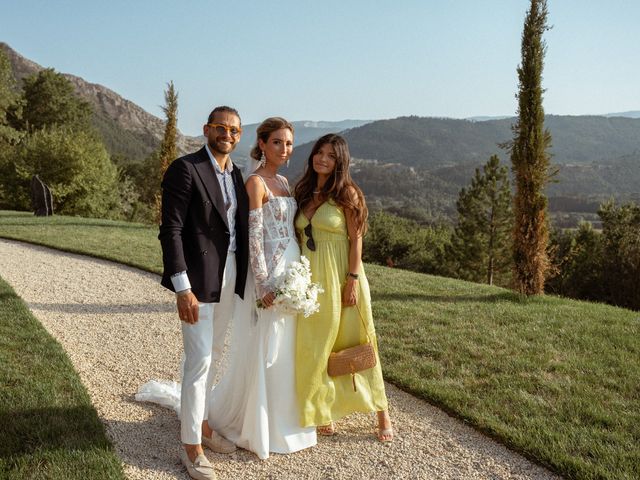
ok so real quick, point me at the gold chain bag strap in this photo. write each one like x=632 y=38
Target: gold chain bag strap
x=353 y=359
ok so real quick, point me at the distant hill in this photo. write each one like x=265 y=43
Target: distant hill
x=617 y=177
x=629 y=114
x=126 y=128
x=484 y=118
x=305 y=131
x=439 y=142
x=421 y=163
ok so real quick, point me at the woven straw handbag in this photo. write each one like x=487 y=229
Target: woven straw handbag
x=353 y=359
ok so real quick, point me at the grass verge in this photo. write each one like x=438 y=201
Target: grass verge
x=555 y=379
x=50 y=430
x=132 y=244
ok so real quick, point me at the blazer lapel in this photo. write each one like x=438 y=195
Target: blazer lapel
x=241 y=191
x=210 y=181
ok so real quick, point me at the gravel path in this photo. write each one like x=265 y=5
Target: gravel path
x=120 y=329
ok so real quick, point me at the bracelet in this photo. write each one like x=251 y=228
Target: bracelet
x=352 y=275
x=183 y=292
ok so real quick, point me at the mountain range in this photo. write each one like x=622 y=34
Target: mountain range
x=132 y=132
x=630 y=114
x=415 y=166
x=412 y=165
x=441 y=142
x=126 y=128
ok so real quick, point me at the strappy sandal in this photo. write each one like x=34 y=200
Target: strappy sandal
x=385 y=435
x=326 y=430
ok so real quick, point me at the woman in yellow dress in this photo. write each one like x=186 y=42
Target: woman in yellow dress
x=331 y=221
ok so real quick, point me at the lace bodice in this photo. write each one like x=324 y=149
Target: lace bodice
x=270 y=231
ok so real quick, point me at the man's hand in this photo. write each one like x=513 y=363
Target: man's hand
x=187 y=307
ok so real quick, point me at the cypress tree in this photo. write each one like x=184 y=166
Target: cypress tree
x=530 y=159
x=168 y=147
x=480 y=244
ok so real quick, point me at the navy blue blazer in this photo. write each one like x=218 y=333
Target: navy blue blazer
x=194 y=233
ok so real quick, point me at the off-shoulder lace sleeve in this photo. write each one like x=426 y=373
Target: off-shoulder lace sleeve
x=256 y=252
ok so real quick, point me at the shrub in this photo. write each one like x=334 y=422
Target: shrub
x=76 y=167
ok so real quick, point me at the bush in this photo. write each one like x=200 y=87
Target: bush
x=577 y=263
x=621 y=253
x=600 y=266
x=76 y=167
x=402 y=243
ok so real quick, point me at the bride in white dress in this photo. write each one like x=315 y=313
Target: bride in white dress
x=254 y=404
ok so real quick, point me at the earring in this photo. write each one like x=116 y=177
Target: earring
x=263 y=160
x=287 y=163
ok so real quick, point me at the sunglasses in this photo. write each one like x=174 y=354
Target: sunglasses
x=311 y=245
x=221 y=129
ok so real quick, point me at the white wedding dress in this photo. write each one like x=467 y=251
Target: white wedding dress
x=254 y=405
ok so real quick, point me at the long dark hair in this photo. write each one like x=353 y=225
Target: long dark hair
x=339 y=187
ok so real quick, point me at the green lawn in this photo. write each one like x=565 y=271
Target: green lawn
x=133 y=244
x=556 y=379
x=49 y=428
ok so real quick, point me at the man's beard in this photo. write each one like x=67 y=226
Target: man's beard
x=225 y=150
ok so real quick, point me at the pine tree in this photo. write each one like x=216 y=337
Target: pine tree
x=530 y=159
x=49 y=100
x=480 y=244
x=168 y=147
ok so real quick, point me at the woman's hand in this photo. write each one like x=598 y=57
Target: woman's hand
x=350 y=292
x=267 y=300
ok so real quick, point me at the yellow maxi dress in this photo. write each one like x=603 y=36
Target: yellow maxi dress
x=323 y=398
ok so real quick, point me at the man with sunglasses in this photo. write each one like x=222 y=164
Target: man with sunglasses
x=205 y=251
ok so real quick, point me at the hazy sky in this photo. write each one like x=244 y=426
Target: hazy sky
x=333 y=59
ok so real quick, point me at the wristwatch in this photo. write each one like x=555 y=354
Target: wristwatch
x=352 y=275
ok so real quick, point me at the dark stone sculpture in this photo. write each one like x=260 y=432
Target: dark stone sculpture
x=41 y=198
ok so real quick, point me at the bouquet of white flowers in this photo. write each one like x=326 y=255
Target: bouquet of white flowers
x=295 y=293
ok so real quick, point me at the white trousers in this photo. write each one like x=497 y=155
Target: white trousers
x=203 y=346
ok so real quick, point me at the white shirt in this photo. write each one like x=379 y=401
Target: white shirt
x=228 y=195
x=180 y=280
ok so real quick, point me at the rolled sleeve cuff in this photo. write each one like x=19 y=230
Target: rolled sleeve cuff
x=180 y=281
